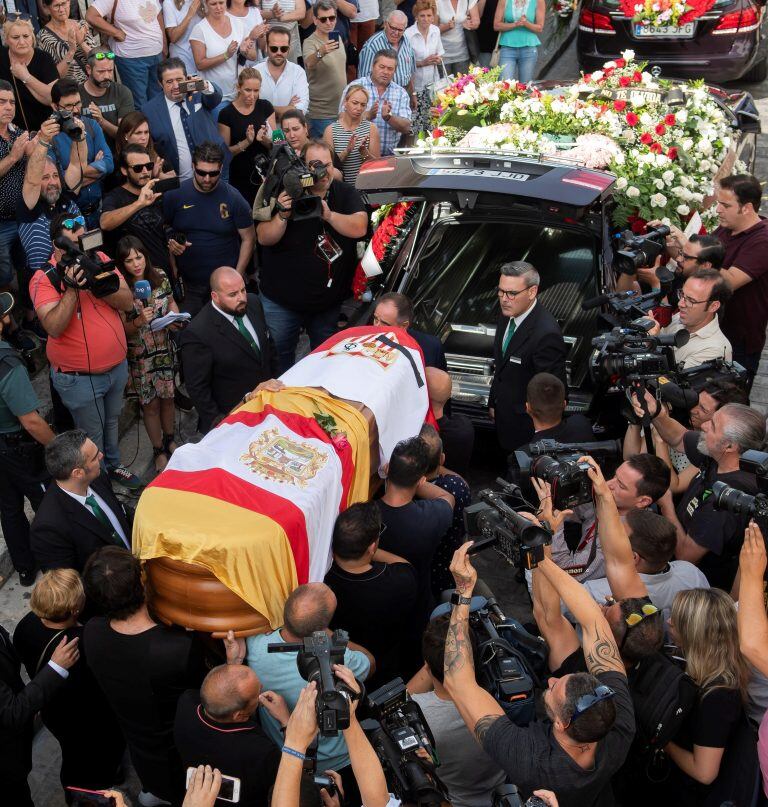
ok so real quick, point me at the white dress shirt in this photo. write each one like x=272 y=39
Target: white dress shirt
x=292 y=81
x=113 y=520
x=248 y=326
x=185 y=155
x=431 y=46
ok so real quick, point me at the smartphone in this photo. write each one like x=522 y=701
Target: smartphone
x=163 y=185
x=230 y=786
x=334 y=36
x=188 y=87
x=89 y=798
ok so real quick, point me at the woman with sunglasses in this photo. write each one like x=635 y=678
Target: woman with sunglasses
x=714 y=752
x=180 y=17
x=67 y=41
x=353 y=138
x=30 y=71
x=246 y=125
x=150 y=360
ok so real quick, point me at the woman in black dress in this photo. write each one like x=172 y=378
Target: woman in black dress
x=142 y=667
x=92 y=744
x=246 y=124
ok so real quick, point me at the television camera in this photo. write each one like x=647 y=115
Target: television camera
x=639 y=250
x=90 y=271
x=681 y=387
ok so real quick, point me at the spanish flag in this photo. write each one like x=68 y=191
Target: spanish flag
x=255 y=501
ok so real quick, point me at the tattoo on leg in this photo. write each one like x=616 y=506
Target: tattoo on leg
x=483 y=725
x=458 y=648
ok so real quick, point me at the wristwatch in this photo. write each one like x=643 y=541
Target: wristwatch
x=457 y=599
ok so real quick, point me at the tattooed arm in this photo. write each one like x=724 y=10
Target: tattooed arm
x=478 y=708
x=600 y=651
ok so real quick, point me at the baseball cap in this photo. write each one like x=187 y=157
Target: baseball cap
x=6 y=303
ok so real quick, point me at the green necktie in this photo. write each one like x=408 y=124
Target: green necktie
x=247 y=334
x=90 y=500
x=508 y=336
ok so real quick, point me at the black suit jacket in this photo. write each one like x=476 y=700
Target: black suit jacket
x=64 y=534
x=219 y=364
x=537 y=346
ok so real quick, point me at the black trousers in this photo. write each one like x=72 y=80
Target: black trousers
x=21 y=477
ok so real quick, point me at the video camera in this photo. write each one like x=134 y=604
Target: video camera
x=740 y=503
x=67 y=124
x=681 y=387
x=397 y=730
x=508 y=796
x=100 y=280
x=316 y=656
x=558 y=464
x=492 y=523
x=640 y=250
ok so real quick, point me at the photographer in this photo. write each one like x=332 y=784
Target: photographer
x=87 y=139
x=707 y=537
x=307 y=265
x=86 y=345
x=592 y=722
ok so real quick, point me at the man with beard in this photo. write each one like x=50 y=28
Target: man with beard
x=227 y=350
x=106 y=100
x=134 y=208
x=708 y=537
x=283 y=83
x=212 y=225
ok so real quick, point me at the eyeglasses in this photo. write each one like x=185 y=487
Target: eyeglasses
x=139 y=167
x=686 y=257
x=601 y=693
x=510 y=295
x=207 y=173
x=103 y=54
x=397 y=30
x=73 y=223
x=689 y=300
x=635 y=619
x=72 y=106
x=279 y=48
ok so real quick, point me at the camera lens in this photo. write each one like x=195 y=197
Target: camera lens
x=545 y=468
x=732 y=500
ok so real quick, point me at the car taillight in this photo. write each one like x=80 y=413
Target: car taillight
x=738 y=22
x=588 y=179
x=593 y=22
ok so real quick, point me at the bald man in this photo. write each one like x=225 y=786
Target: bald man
x=456 y=430
x=219 y=726
x=227 y=350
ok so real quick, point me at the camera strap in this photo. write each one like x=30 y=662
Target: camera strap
x=56 y=280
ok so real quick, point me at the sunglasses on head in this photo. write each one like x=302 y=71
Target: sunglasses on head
x=585 y=702
x=103 y=54
x=139 y=167
x=15 y=16
x=635 y=619
x=73 y=223
x=207 y=173
x=279 y=48
x=329 y=18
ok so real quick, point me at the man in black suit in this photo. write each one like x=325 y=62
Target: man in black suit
x=227 y=350
x=79 y=512
x=18 y=706
x=528 y=341
x=395 y=310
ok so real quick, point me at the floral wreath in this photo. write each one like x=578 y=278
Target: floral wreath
x=664 y=12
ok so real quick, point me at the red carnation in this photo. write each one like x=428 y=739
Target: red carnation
x=637 y=76
x=670 y=119
x=646 y=138
x=587 y=76
x=660 y=129
x=624 y=81
x=621 y=63
x=632 y=119
x=506 y=85
x=619 y=106
x=672 y=153
x=655 y=148
x=437 y=133
x=607 y=72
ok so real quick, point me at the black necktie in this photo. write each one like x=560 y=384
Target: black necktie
x=185 y=125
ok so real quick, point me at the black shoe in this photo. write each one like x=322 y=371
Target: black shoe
x=183 y=402
x=27 y=578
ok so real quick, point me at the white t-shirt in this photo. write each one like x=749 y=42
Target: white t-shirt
x=138 y=18
x=172 y=17
x=369 y=10
x=224 y=75
x=432 y=46
x=250 y=21
x=454 y=41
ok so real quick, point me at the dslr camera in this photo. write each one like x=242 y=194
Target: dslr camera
x=397 y=730
x=288 y=172
x=316 y=656
x=741 y=503
x=558 y=464
x=67 y=124
x=637 y=251
x=99 y=278
x=681 y=387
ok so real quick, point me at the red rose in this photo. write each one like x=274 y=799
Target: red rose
x=670 y=120
x=637 y=225
x=587 y=76
x=660 y=129
x=620 y=63
x=619 y=106
x=646 y=138
x=637 y=77
x=437 y=133
x=340 y=442
x=624 y=81
x=607 y=72
x=656 y=148
x=672 y=153
x=632 y=119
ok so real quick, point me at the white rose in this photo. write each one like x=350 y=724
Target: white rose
x=628 y=55
x=687 y=144
x=658 y=200
x=597 y=75
x=665 y=221
x=662 y=160
x=609 y=65
x=621 y=183
x=705 y=165
x=668 y=176
x=633 y=192
x=646 y=119
x=683 y=210
x=659 y=183
x=681 y=116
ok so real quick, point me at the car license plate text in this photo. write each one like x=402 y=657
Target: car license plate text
x=481 y=172
x=681 y=31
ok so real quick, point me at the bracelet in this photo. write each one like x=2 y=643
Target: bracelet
x=293 y=753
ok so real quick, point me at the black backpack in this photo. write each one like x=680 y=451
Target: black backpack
x=663 y=695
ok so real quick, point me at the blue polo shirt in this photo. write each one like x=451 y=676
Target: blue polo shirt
x=210 y=222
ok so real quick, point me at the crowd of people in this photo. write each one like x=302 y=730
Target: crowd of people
x=138 y=134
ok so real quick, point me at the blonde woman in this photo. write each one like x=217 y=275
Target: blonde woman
x=67 y=41
x=30 y=71
x=249 y=13
x=246 y=126
x=353 y=138
x=714 y=752
x=180 y=17
x=78 y=716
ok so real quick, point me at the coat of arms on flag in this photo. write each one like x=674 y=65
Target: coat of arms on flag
x=275 y=456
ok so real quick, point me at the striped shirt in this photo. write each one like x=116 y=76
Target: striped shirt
x=341 y=138
x=401 y=107
x=34 y=228
x=406 y=58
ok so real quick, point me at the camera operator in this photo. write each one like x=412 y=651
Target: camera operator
x=86 y=137
x=309 y=608
x=592 y=722
x=307 y=265
x=707 y=537
x=86 y=345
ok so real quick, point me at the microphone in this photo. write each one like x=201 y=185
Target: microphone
x=601 y=299
x=142 y=291
x=278 y=136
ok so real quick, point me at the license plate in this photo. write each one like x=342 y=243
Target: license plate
x=679 y=31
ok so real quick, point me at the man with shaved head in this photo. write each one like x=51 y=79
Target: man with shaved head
x=219 y=726
x=456 y=430
x=308 y=609
x=227 y=350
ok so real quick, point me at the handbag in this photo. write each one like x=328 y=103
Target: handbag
x=353 y=55
x=442 y=82
x=111 y=20
x=495 y=55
